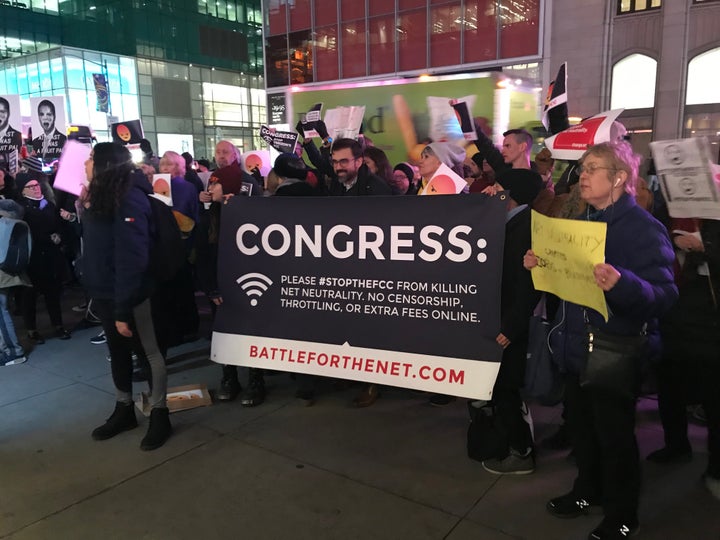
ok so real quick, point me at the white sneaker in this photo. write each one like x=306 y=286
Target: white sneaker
x=16 y=361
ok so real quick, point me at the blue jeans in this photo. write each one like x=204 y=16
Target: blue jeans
x=9 y=345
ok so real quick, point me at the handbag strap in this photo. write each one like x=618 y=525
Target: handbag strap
x=643 y=330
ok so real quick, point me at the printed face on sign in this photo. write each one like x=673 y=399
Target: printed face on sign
x=46 y=115
x=440 y=185
x=253 y=161
x=161 y=187
x=4 y=115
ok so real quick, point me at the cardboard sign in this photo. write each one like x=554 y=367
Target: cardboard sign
x=282 y=141
x=128 y=132
x=11 y=138
x=687 y=178
x=445 y=181
x=49 y=126
x=71 y=170
x=411 y=300
x=567 y=252
x=573 y=142
x=163 y=188
x=344 y=122
x=462 y=111
x=310 y=120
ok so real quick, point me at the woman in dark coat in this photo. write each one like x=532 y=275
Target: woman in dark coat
x=47 y=269
x=637 y=282
x=118 y=229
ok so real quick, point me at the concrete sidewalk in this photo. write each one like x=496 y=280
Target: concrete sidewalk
x=397 y=470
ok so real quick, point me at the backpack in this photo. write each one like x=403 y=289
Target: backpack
x=168 y=252
x=15 y=245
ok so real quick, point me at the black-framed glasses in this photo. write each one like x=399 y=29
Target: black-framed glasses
x=30 y=186
x=344 y=162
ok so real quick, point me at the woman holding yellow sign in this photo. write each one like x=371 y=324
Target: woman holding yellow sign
x=602 y=359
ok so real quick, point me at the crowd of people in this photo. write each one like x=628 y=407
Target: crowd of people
x=659 y=279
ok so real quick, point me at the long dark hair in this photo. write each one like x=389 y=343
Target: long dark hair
x=111 y=178
x=384 y=169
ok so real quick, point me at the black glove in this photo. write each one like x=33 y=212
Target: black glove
x=256 y=173
x=299 y=129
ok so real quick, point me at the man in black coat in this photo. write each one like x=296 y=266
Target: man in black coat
x=351 y=176
x=518 y=299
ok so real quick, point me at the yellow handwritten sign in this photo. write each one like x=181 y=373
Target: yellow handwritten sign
x=567 y=251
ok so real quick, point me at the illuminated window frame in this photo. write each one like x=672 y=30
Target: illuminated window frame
x=625 y=7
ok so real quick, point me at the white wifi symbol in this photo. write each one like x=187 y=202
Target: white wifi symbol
x=254 y=284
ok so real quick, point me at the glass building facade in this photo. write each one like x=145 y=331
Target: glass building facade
x=191 y=70
x=329 y=40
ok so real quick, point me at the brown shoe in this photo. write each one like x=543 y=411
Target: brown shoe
x=367 y=396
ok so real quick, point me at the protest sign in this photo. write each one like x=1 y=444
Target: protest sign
x=309 y=121
x=555 y=111
x=162 y=188
x=567 y=251
x=344 y=122
x=256 y=159
x=464 y=116
x=10 y=131
x=48 y=126
x=686 y=177
x=411 y=300
x=282 y=141
x=443 y=119
x=573 y=142
x=71 y=170
x=129 y=132
x=445 y=181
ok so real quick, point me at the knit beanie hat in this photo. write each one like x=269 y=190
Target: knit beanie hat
x=23 y=178
x=406 y=170
x=290 y=166
x=448 y=153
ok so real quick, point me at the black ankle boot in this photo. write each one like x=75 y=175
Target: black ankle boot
x=229 y=385
x=159 y=429
x=254 y=395
x=122 y=419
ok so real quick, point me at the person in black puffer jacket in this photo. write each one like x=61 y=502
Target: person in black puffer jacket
x=118 y=234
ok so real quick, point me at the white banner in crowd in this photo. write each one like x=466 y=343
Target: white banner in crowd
x=686 y=175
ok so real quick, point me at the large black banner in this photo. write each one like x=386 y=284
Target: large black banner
x=402 y=291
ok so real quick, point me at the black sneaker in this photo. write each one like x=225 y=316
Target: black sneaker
x=670 y=455
x=612 y=530
x=569 y=506
x=99 y=339
x=61 y=333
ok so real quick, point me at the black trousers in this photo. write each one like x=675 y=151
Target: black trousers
x=507 y=400
x=52 y=293
x=684 y=381
x=602 y=426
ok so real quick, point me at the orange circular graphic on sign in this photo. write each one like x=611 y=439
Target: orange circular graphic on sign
x=253 y=161
x=440 y=185
x=123 y=132
x=161 y=187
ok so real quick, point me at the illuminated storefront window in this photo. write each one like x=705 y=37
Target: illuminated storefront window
x=633 y=82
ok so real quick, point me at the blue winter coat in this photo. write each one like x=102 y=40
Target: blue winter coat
x=638 y=247
x=116 y=251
